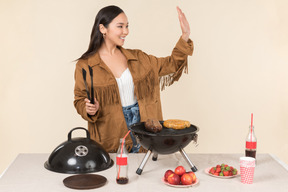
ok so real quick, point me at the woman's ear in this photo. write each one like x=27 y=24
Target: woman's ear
x=102 y=29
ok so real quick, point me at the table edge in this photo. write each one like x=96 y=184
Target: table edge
x=284 y=165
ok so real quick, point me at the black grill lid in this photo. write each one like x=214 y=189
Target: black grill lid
x=78 y=155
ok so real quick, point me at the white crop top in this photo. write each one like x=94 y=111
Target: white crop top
x=126 y=88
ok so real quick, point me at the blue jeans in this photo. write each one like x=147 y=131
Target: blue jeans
x=132 y=115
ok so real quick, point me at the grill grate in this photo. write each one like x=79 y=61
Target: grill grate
x=139 y=128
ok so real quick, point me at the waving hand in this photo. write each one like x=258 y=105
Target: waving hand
x=184 y=24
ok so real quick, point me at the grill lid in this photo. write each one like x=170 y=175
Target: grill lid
x=78 y=155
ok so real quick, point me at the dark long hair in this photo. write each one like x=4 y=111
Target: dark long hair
x=104 y=17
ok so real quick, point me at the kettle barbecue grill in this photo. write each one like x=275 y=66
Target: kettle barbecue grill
x=166 y=141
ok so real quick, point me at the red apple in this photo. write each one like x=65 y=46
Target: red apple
x=180 y=170
x=192 y=174
x=186 y=179
x=167 y=173
x=173 y=179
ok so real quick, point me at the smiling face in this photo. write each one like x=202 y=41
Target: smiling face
x=116 y=31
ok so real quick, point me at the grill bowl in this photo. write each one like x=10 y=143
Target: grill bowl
x=166 y=141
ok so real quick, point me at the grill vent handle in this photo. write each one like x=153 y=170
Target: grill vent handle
x=76 y=128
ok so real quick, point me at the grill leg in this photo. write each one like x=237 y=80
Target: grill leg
x=143 y=163
x=183 y=153
x=155 y=156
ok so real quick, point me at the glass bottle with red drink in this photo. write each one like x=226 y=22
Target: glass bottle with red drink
x=251 y=143
x=122 y=163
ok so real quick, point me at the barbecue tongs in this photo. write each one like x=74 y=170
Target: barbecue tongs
x=86 y=86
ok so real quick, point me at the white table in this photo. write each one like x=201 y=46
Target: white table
x=27 y=173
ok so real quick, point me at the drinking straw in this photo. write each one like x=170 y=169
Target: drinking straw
x=251 y=126
x=122 y=151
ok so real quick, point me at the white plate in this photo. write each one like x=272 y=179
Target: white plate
x=222 y=177
x=180 y=186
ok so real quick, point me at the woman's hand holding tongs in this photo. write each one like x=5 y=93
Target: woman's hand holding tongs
x=91 y=109
x=91 y=106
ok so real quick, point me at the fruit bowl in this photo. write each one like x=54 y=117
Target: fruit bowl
x=179 y=177
x=180 y=186
x=227 y=176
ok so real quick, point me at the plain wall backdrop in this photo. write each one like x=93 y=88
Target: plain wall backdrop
x=239 y=67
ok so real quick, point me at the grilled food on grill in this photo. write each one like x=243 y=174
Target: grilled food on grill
x=176 y=124
x=153 y=126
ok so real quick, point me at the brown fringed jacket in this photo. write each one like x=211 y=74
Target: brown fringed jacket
x=149 y=74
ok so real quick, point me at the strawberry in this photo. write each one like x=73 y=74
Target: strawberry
x=212 y=170
x=218 y=170
x=226 y=173
x=217 y=174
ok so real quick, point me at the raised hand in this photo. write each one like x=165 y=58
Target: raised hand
x=184 y=24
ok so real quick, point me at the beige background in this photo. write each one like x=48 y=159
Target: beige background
x=239 y=67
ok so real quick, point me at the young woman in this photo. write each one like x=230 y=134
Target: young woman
x=126 y=82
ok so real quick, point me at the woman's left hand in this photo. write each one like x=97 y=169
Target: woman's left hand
x=184 y=24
